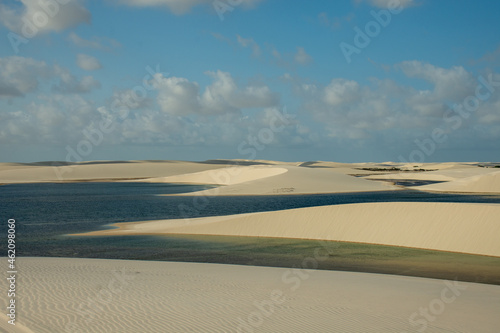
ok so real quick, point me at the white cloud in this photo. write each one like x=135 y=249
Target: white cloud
x=449 y=84
x=341 y=91
x=19 y=75
x=176 y=6
x=387 y=3
x=31 y=18
x=133 y=100
x=179 y=96
x=48 y=119
x=276 y=54
x=301 y=57
x=335 y=22
x=61 y=119
x=351 y=110
x=489 y=113
x=224 y=94
x=291 y=59
x=100 y=43
x=179 y=7
x=256 y=51
x=87 y=62
x=250 y=3
x=69 y=84
x=229 y=129
x=220 y=37
x=249 y=43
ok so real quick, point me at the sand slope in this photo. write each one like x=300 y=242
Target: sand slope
x=18 y=328
x=483 y=183
x=457 y=227
x=222 y=176
x=245 y=177
x=297 y=180
x=112 y=170
x=236 y=177
x=92 y=295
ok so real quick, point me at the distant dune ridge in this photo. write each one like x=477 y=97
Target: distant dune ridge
x=235 y=179
x=99 y=170
x=244 y=177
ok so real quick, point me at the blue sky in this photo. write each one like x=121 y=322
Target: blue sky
x=254 y=79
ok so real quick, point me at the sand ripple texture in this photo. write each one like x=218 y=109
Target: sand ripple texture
x=95 y=295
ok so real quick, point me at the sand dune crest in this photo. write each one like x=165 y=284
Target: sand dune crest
x=486 y=183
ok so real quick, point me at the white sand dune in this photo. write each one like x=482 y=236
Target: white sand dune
x=482 y=183
x=456 y=227
x=92 y=295
x=237 y=177
x=242 y=177
x=222 y=176
x=297 y=180
x=108 y=171
x=9 y=328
